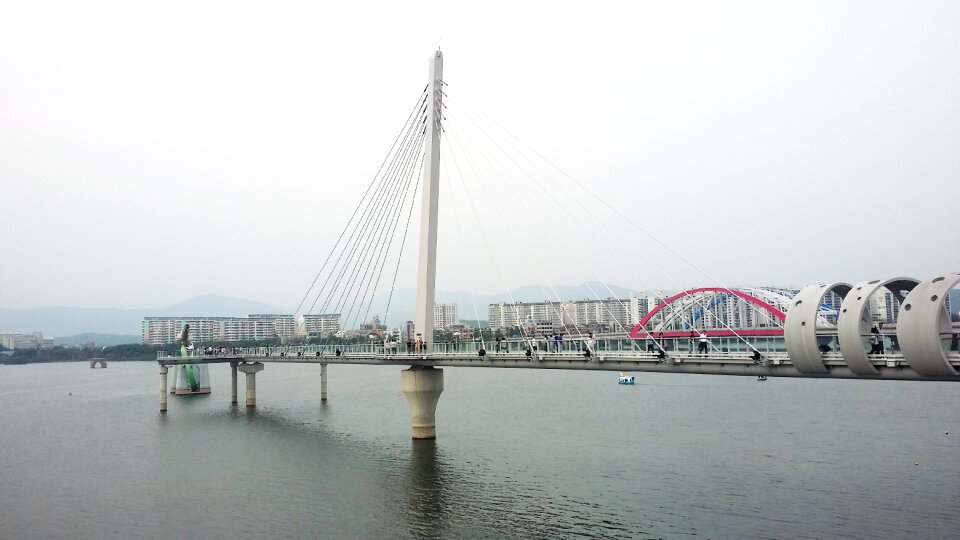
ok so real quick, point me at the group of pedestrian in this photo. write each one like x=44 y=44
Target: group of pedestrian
x=219 y=350
x=704 y=344
x=876 y=339
x=549 y=343
x=415 y=346
x=658 y=344
x=700 y=341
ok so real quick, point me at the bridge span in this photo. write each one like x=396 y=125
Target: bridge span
x=422 y=382
x=818 y=341
x=602 y=356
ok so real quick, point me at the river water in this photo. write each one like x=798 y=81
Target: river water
x=520 y=454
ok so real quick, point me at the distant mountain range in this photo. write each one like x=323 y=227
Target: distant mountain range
x=111 y=326
x=70 y=321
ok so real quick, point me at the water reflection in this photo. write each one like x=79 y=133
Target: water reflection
x=426 y=498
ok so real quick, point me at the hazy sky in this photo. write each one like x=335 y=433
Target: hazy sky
x=150 y=152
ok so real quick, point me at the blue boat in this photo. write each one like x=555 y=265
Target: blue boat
x=627 y=380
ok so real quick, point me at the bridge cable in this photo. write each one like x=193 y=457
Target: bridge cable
x=362 y=220
x=602 y=201
x=463 y=253
x=383 y=243
x=487 y=243
x=467 y=157
x=582 y=226
x=379 y=219
x=540 y=224
x=692 y=296
x=350 y=262
x=359 y=204
x=363 y=223
x=403 y=242
x=549 y=194
x=413 y=172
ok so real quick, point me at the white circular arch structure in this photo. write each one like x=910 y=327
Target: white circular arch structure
x=922 y=322
x=800 y=327
x=854 y=322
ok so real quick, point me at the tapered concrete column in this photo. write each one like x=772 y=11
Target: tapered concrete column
x=323 y=382
x=233 y=382
x=423 y=387
x=251 y=370
x=163 y=388
x=176 y=378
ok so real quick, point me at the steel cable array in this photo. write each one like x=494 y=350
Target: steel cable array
x=365 y=244
x=494 y=163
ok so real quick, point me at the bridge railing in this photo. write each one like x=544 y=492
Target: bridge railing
x=677 y=350
x=567 y=347
x=716 y=346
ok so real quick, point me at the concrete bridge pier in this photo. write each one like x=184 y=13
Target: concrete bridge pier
x=323 y=382
x=233 y=382
x=251 y=370
x=163 y=388
x=422 y=386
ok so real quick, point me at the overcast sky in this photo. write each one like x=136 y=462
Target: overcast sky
x=150 y=152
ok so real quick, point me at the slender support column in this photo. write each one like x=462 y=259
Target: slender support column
x=176 y=379
x=323 y=382
x=163 y=388
x=233 y=382
x=422 y=387
x=427 y=270
x=251 y=370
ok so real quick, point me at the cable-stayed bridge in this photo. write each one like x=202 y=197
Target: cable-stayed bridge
x=824 y=330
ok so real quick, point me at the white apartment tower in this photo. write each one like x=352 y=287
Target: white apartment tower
x=444 y=316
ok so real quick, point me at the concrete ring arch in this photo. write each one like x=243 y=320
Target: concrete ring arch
x=800 y=328
x=923 y=318
x=854 y=324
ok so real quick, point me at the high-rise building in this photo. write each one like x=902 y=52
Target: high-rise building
x=20 y=340
x=322 y=324
x=445 y=315
x=257 y=327
x=611 y=314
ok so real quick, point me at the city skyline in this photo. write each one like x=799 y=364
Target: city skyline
x=67 y=322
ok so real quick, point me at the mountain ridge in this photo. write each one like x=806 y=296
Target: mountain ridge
x=65 y=322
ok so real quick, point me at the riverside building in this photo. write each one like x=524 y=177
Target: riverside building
x=21 y=340
x=704 y=308
x=445 y=316
x=257 y=327
x=611 y=314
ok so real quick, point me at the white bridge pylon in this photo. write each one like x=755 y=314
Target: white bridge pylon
x=422 y=385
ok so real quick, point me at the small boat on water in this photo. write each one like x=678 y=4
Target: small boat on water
x=627 y=380
x=761 y=377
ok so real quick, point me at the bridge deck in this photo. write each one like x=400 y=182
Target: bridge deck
x=890 y=366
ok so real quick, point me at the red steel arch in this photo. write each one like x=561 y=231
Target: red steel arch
x=639 y=332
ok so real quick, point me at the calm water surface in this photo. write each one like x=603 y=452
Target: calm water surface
x=520 y=453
